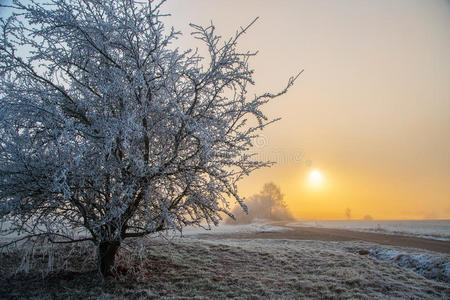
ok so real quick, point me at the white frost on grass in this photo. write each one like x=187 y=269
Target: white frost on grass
x=192 y=268
x=429 y=265
x=337 y=266
x=231 y=229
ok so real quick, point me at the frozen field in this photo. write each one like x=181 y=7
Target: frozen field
x=230 y=229
x=188 y=268
x=432 y=229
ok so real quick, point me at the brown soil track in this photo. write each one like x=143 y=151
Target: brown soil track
x=325 y=234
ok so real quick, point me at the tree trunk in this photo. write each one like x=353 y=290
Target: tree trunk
x=106 y=256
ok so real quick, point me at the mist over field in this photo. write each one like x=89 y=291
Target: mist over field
x=268 y=205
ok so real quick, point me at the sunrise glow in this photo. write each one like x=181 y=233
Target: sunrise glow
x=315 y=179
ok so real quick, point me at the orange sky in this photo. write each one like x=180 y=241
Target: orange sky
x=371 y=111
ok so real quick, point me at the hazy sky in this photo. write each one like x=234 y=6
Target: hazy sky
x=371 y=111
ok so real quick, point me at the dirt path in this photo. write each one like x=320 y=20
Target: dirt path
x=325 y=234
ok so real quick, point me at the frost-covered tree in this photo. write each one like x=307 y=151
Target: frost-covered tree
x=108 y=131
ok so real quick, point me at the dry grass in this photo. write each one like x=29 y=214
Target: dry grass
x=217 y=269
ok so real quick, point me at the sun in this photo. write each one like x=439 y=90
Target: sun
x=315 y=178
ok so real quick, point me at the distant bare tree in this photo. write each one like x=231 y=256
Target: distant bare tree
x=348 y=213
x=267 y=205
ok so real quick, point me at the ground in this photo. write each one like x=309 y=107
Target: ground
x=217 y=268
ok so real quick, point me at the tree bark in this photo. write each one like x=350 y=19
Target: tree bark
x=106 y=256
